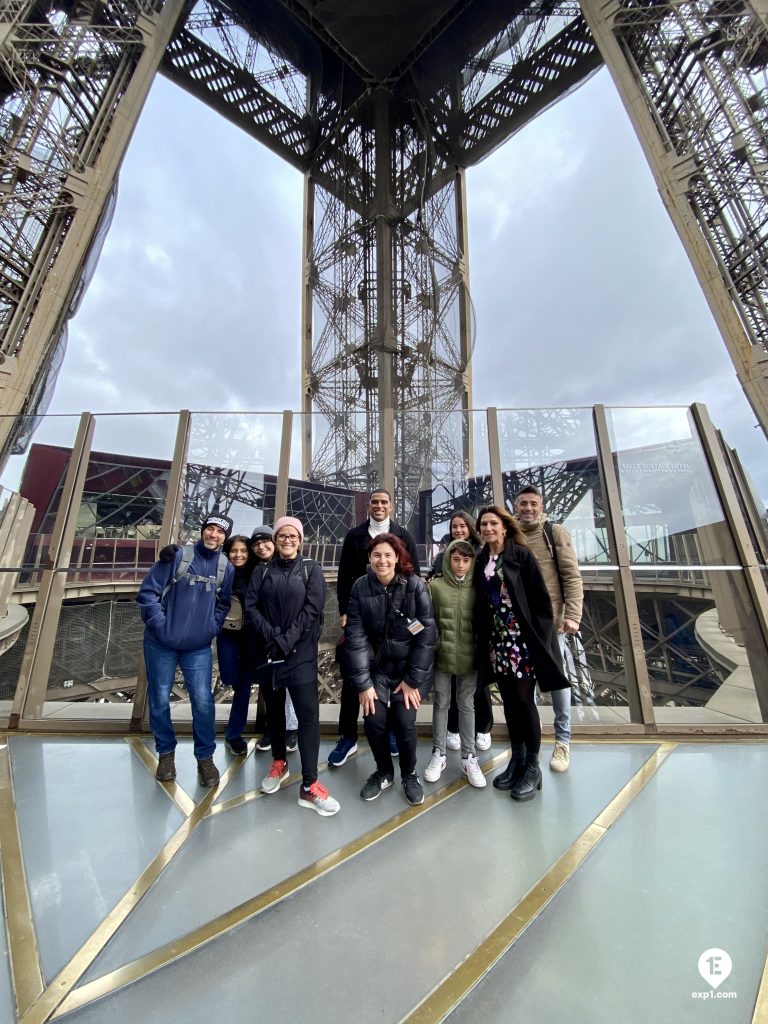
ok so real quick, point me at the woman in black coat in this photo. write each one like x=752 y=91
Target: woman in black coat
x=284 y=603
x=516 y=642
x=390 y=641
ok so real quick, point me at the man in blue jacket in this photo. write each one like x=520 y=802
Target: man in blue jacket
x=182 y=614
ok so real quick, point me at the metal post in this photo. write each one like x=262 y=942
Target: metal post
x=494 y=453
x=638 y=683
x=281 y=491
x=745 y=550
x=38 y=655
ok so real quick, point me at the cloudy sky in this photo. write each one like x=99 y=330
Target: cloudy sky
x=581 y=290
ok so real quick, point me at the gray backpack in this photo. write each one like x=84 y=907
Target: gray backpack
x=182 y=570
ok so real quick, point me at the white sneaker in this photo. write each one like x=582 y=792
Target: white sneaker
x=453 y=741
x=434 y=769
x=561 y=758
x=482 y=741
x=471 y=768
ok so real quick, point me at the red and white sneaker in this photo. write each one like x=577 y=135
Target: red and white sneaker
x=318 y=799
x=271 y=781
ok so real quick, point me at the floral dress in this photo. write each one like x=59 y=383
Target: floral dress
x=509 y=655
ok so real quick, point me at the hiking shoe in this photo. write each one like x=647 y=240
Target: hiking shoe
x=271 y=781
x=375 y=784
x=482 y=741
x=434 y=769
x=414 y=794
x=291 y=740
x=471 y=768
x=265 y=743
x=318 y=798
x=338 y=756
x=236 y=746
x=166 y=767
x=207 y=772
x=393 y=745
x=453 y=741
x=561 y=758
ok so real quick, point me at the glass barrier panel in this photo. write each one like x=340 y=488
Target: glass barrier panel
x=702 y=645
x=671 y=511
x=232 y=466
x=555 y=450
x=36 y=471
x=594 y=658
x=124 y=495
x=15 y=615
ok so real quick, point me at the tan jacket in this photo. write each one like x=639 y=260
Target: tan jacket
x=570 y=576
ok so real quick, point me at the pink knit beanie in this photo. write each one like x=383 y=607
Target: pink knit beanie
x=290 y=521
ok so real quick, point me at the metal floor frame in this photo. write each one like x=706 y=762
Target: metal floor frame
x=127 y=899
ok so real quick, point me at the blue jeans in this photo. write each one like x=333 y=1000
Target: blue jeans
x=561 y=702
x=235 y=672
x=197 y=669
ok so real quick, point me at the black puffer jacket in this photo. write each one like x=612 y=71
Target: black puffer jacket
x=405 y=657
x=285 y=616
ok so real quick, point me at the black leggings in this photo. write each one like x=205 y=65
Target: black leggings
x=306 y=704
x=520 y=711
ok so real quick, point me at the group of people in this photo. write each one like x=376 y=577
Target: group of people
x=494 y=611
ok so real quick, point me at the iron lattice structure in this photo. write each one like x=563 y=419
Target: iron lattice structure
x=382 y=111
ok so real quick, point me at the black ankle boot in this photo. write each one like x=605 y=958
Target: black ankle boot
x=525 y=788
x=514 y=771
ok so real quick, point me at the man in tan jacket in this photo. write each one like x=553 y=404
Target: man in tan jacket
x=560 y=567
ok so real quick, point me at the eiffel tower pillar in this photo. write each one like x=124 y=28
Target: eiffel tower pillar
x=692 y=79
x=72 y=86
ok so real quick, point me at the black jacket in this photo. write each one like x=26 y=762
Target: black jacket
x=285 y=616
x=405 y=657
x=533 y=609
x=354 y=558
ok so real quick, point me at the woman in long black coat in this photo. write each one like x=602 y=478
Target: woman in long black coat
x=390 y=642
x=516 y=642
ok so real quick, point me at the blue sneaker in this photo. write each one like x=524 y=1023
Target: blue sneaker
x=338 y=756
x=393 y=745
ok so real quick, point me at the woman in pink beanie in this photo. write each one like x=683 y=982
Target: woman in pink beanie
x=284 y=603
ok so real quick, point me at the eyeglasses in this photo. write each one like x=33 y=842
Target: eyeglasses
x=260 y=542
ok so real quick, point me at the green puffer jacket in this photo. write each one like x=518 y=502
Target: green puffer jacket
x=454 y=604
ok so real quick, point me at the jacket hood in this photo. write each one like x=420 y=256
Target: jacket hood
x=447 y=569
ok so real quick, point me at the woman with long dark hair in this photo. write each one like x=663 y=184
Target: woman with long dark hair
x=390 y=642
x=234 y=644
x=516 y=642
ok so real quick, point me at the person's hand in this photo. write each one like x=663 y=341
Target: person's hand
x=411 y=696
x=569 y=626
x=342 y=621
x=168 y=553
x=368 y=700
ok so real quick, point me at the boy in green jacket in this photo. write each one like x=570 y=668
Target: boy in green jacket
x=453 y=598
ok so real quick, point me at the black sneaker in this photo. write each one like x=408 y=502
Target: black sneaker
x=291 y=740
x=237 y=746
x=414 y=794
x=166 y=768
x=265 y=743
x=207 y=772
x=375 y=784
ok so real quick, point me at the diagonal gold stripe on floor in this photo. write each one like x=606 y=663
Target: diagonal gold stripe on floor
x=153 y=961
x=447 y=996
x=44 y=1006
x=172 y=789
x=25 y=970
